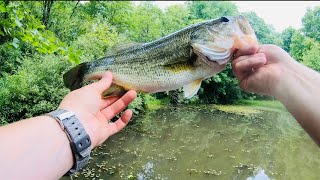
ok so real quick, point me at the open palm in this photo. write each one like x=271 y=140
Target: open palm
x=95 y=113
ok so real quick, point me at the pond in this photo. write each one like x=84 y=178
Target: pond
x=205 y=142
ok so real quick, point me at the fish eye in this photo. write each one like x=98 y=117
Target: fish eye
x=224 y=19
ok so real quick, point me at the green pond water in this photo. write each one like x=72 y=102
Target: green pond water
x=201 y=142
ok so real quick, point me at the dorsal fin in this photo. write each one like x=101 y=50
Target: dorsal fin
x=120 y=47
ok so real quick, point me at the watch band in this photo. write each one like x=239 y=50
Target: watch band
x=79 y=139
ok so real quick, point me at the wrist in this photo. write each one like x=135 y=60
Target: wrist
x=79 y=140
x=291 y=82
x=61 y=142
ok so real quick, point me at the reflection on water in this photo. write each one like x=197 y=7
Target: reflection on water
x=203 y=143
x=259 y=175
x=147 y=171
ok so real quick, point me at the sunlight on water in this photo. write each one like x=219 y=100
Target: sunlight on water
x=204 y=143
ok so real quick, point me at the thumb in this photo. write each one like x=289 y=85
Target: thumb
x=104 y=83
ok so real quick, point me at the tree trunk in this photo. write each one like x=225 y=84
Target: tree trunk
x=4 y=38
x=47 y=4
x=74 y=9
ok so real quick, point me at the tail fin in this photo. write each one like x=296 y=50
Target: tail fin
x=73 y=79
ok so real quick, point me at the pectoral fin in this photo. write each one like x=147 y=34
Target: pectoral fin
x=191 y=89
x=113 y=91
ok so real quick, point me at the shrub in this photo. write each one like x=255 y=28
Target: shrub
x=36 y=88
x=99 y=38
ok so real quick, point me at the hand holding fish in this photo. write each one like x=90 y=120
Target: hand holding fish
x=271 y=71
x=95 y=112
x=179 y=60
x=258 y=69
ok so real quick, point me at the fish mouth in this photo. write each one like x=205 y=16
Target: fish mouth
x=219 y=62
x=213 y=55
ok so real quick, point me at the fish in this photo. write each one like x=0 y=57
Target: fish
x=181 y=59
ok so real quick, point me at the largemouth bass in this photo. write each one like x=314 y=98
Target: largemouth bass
x=181 y=59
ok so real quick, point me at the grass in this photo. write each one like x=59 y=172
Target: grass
x=237 y=109
x=152 y=103
x=247 y=107
x=261 y=103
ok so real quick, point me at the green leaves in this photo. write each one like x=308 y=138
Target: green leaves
x=264 y=32
x=211 y=9
x=311 y=57
x=20 y=25
x=3 y=8
x=74 y=56
x=15 y=43
x=311 y=23
x=35 y=89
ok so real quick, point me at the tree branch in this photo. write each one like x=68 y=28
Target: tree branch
x=74 y=9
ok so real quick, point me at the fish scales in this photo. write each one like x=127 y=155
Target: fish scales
x=182 y=59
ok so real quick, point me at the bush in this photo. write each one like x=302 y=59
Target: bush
x=35 y=89
x=10 y=57
x=221 y=88
x=311 y=57
x=99 y=38
x=137 y=105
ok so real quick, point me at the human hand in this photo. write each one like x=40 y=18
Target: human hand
x=260 y=70
x=95 y=112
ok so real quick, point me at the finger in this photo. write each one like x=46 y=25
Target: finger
x=120 y=123
x=119 y=105
x=107 y=102
x=104 y=83
x=241 y=66
x=247 y=50
x=246 y=57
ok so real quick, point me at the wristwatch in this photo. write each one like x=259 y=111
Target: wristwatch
x=79 y=139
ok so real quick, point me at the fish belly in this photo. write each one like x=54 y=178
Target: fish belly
x=159 y=78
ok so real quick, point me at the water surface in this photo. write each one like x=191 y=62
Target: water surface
x=201 y=142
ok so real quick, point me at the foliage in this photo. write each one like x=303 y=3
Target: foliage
x=286 y=37
x=262 y=103
x=150 y=102
x=35 y=89
x=311 y=57
x=221 y=88
x=10 y=59
x=211 y=9
x=118 y=14
x=175 y=18
x=264 y=32
x=67 y=21
x=137 y=105
x=300 y=44
x=99 y=36
x=146 y=22
x=33 y=57
x=311 y=23
x=19 y=25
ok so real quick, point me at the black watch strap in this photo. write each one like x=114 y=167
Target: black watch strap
x=79 y=139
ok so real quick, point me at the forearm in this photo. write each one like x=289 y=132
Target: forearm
x=299 y=90
x=34 y=148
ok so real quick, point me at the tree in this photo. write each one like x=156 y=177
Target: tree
x=175 y=18
x=146 y=22
x=311 y=58
x=286 y=37
x=299 y=45
x=47 y=4
x=117 y=13
x=264 y=32
x=311 y=23
x=211 y=9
